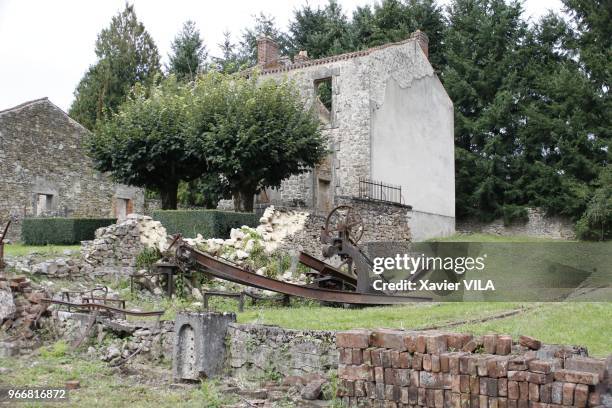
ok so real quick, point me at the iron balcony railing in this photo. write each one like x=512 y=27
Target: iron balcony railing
x=379 y=191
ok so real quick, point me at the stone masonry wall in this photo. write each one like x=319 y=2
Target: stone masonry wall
x=382 y=223
x=258 y=349
x=41 y=152
x=392 y=369
x=538 y=224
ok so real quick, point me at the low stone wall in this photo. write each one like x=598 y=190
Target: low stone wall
x=258 y=351
x=393 y=368
x=383 y=222
x=538 y=224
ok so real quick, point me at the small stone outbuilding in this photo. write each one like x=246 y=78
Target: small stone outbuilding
x=44 y=170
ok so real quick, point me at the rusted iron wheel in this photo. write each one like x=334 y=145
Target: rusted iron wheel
x=346 y=220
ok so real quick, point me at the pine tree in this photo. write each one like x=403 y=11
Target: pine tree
x=481 y=78
x=189 y=53
x=321 y=32
x=126 y=55
x=229 y=62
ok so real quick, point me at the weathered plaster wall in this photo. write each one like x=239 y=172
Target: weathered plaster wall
x=412 y=144
x=41 y=152
x=425 y=225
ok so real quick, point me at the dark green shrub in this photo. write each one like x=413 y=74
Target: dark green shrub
x=514 y=214
x=61 y=231
x=596 y=222
x=147 y=257
x=209 y=223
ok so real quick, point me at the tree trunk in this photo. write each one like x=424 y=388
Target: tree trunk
x=168 y=196
x=244 y=199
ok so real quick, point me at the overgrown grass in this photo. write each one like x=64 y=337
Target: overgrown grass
x=45 y=250
x=102 y=386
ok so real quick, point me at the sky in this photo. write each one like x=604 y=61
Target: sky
x=47 y=45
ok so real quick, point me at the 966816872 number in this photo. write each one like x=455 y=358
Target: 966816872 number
x=33 y=394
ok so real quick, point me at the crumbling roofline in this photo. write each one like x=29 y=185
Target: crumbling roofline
x=334 y=58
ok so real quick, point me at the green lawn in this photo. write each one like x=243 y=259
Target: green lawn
x=45 y=250
x=494 y=238
x=576 y=323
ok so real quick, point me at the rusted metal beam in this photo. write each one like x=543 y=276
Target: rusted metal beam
x=325 y=268
x=8 y=224
x=105 y=307
x=226 y=271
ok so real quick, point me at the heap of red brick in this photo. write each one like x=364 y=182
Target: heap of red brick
x=28 y=306
x=392 y=368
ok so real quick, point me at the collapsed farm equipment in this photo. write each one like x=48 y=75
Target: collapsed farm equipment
x=342 y=230
x=96 y=304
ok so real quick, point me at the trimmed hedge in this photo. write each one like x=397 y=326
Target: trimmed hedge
x=209 y=223
x=61 y=231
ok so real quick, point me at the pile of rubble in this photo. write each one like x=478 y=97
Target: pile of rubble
x=66 y=266
x=131 y=337
x=246 y=243
x=20 y=309
x=116 y=247
x=275 y=225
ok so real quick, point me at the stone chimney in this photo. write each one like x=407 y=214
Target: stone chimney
x=267 y=52
x=423 y=41
x=302 y=56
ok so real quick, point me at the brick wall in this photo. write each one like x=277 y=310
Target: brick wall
x=390 y=368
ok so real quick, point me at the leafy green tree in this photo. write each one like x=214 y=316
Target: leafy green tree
x=126 y=55
x=189 y=53
x=258 y=134
x=149 y=141
x=205 y=191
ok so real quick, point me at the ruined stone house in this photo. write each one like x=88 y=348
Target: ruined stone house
x=389 y=121
x=44 y=170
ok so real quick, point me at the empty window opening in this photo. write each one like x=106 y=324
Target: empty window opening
x=44 y=203
x=123 y=207
x=324 y=92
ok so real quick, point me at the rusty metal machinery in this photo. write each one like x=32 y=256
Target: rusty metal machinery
x=343 y=229
x=6 y=227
